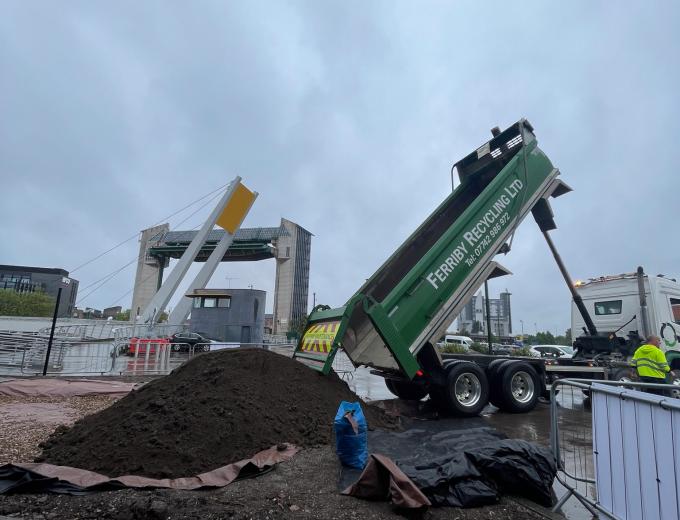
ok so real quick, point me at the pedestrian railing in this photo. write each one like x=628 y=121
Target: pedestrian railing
x=617 y=448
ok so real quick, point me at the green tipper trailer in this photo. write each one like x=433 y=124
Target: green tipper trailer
x=393 y=321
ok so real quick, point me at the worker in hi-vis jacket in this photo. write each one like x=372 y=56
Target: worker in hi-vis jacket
x=651 y=364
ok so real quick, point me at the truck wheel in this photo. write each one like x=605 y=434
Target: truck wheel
x=406 y=390
x=625 y=374
x=517 y=387
x=467 y=390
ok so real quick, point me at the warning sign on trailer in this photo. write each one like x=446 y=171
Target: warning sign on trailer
x=319 y=337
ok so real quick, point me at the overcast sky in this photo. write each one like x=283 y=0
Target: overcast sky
x=346 y=117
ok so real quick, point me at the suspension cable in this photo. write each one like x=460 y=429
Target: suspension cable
x=107 y=278
x=156 y=224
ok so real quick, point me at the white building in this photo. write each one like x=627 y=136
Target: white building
x=472 y=318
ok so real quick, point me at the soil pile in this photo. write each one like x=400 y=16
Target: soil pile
x=216 y=409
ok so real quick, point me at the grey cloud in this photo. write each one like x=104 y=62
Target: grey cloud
x=346 y=117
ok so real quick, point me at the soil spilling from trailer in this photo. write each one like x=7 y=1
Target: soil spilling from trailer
x=216 y=409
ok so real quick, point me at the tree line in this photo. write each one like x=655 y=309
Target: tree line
x=13 y=303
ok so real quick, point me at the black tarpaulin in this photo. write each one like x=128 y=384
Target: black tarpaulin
x=455 y=465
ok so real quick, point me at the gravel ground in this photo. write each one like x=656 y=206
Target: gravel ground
x=302 y=488
x=28 y=421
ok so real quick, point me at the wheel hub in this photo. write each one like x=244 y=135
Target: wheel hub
x=522 y=387
x=468 y=389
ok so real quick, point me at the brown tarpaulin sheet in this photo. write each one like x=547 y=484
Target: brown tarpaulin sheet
x=87 y=480
x=48 y=387
x=383 y=480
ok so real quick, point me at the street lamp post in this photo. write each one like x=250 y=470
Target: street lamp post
x=522 y=323
x=65 y=282
x=488 y=317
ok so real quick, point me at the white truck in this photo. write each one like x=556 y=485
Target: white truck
x=615 y=304
x=626 y=308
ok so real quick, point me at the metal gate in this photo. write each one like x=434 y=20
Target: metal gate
x=630 y=470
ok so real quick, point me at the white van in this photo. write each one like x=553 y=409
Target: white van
x=462 y=341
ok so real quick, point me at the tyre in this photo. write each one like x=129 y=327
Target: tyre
x=467 y=390
x=406 y=389
x=492 y=373
x=517 y=387
x=625 y=374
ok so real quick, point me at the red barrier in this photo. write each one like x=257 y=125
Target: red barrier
x=140 y=345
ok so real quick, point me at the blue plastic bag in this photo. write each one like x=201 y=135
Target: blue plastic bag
x=350 y=435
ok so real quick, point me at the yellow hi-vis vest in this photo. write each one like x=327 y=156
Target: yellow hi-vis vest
x=650 y=361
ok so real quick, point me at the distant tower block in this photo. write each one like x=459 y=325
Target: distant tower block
x=149 y=270
x=289 y=244
x=292 y=277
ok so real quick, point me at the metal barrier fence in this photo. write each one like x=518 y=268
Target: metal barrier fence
x=620 y=456
x=151 y=358
x=140 y=330
x=24 y=351
x=123 y=357
x=276 y=339
x=87 y=332
x=13 y=345
x=341 y=363
x=67 y=358
x=162 y=358
x=343 y=366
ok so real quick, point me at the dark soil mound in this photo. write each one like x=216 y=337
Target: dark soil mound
x=216 y=409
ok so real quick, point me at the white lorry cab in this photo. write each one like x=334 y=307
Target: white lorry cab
x=633 y=304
